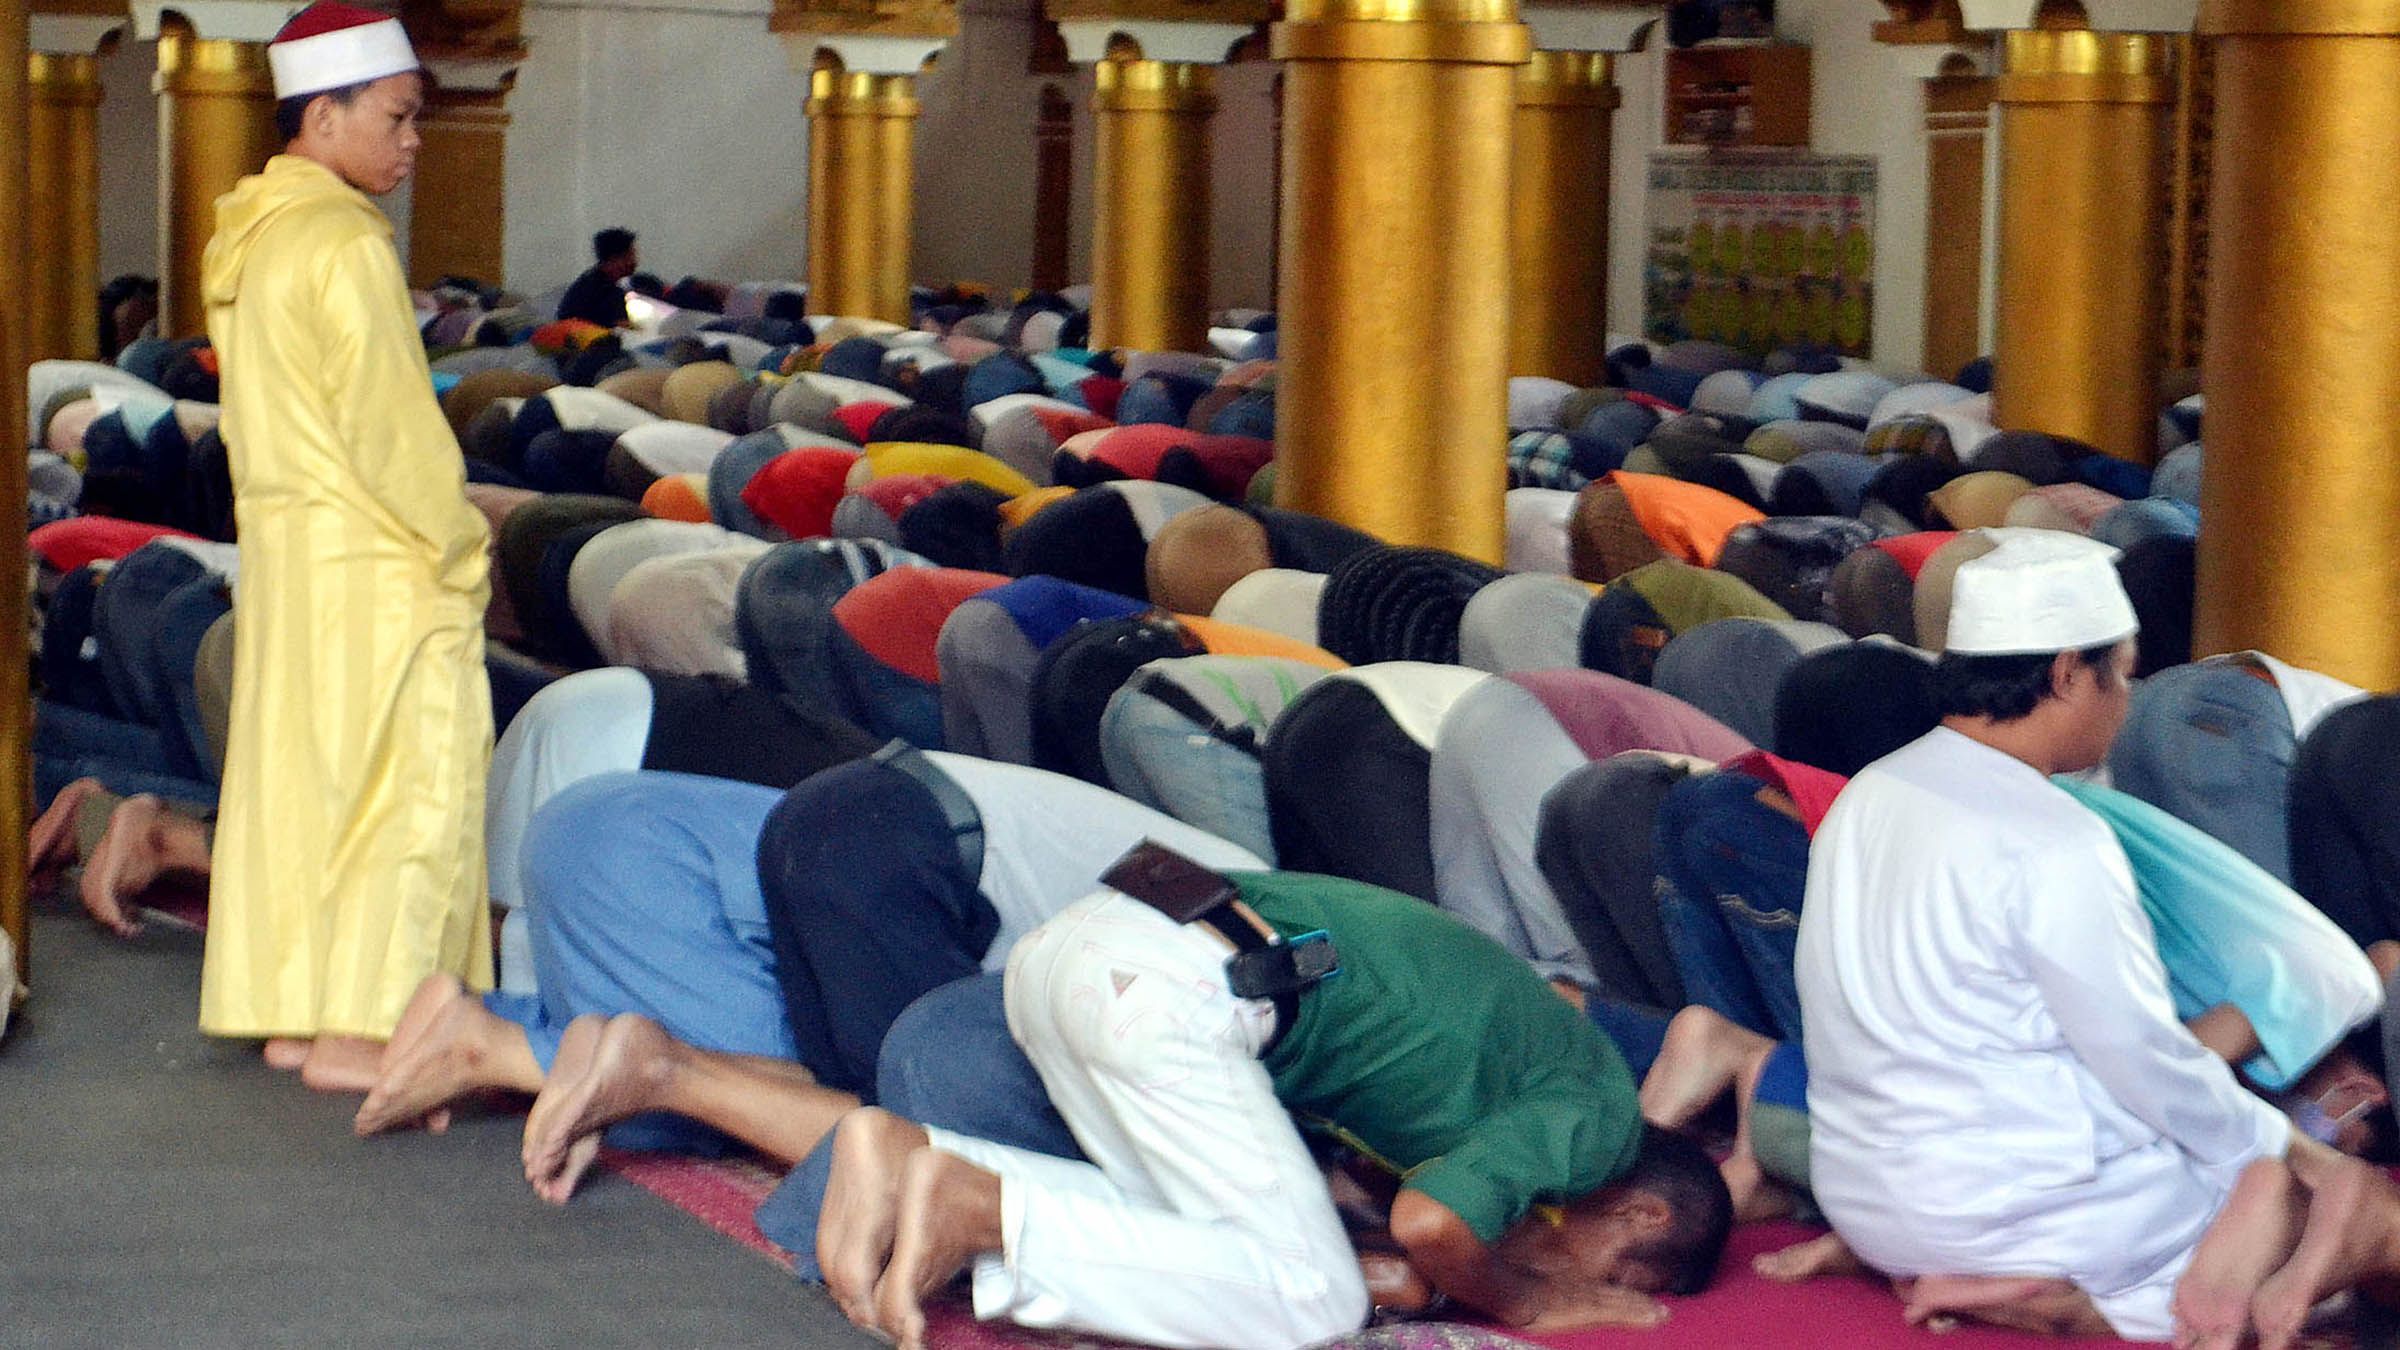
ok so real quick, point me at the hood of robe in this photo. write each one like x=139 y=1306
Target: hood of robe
x=288 y=184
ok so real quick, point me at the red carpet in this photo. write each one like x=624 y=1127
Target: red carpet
x=1741 y=1310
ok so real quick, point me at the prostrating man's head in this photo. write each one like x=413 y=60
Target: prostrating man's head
x=1660 y=1228
x=348 y=89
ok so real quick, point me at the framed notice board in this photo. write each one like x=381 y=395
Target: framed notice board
x=1761 y=250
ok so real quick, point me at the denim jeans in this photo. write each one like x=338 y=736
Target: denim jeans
x=948 y=1062
x=1732 y=872
x=1161 y=758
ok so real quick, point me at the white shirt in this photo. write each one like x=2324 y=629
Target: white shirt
x=1997 y=1080
x=1047 y=838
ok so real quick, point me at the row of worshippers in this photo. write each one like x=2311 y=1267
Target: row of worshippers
x=2024 y=1001
x=1391 y=603
x=648 y=800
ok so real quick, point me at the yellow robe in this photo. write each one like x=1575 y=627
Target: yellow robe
x=349 y=853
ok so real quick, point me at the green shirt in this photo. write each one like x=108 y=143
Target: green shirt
x=1443 y=1054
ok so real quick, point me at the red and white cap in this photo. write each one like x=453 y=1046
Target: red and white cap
x=330 y=45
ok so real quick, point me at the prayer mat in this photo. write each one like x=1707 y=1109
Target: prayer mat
x=1740 y=1308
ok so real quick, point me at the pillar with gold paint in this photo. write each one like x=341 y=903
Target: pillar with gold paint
x=1391 y=402
x=1558 y=308
x=2299 y=554
x=2082 y=198
x=862 y=65
x=62 y=150
x=1154 y=93
x=861 y=191
x=1150 y=264
x=216 y=125
x=16 y=712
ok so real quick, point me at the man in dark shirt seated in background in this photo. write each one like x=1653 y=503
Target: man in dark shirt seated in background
x=598 y=296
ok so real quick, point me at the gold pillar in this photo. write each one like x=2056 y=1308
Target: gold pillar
x=1392 y=400
x=2300 y=555
x=1150 y=239
x=2082 y=193
x=16 y=711
x=217 y=123
x=1558 y=227
x=458 y=223
x=861 y=192
x=62 y=147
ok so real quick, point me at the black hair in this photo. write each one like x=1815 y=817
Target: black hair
x=613 y=242
x=290 y=112
x=119 y=290
x=1678 y=1171
x=2003 y=688
x=647 y=283
x=788 y=306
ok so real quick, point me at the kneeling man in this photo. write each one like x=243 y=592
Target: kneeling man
x=1179 y=1042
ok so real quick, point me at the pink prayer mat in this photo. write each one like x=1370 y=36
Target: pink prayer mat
x=1741 y=1309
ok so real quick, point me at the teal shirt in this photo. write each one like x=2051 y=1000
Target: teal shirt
x=1444 y=1055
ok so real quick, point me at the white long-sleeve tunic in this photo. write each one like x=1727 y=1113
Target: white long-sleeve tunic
x=1997 y=1080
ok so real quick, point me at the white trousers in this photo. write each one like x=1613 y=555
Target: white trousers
x=1201 y=1219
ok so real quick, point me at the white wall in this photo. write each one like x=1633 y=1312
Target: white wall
x=1869 y=100
x=128 y=161
x=682 y=124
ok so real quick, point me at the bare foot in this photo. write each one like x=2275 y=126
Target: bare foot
x=871 y=1148
x=2348 y=1237
x=1823 y=1255
x=50 y=845
x=440 y=1052
x=342 y=1064
x=124 y=863
x=605 y=1071
x=2251 y=1235
x=286 y=1052
x=949 y=1214
x=2046 y=1307
x=1393 y=1283
x=1703 y=1054
x=1755 y=1199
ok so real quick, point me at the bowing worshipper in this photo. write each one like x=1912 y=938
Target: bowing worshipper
x=349 y=852
x=617 y=719
x=2213 y=742
x=598 y=296
x=124 y=845
x=1184 y=734
x=1500 y=749
x=1201 y=1219
x=2346 y=826
x=2005 y=1109
x=792 y=926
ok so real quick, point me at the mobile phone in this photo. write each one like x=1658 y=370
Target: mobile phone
x=1168 y=882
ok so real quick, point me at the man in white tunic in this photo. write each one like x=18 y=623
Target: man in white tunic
x=1999 y=1085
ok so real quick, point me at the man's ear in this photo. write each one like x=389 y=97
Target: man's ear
x=2062 y=672
x=1647 y=1213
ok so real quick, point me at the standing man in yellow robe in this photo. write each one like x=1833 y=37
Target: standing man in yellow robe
x=349 y=854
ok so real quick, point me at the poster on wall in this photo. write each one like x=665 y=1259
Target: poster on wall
x=1761 y=250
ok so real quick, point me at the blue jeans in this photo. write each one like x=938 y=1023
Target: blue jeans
x=1732 y=872
x=1163 y=759
x=948 y=1062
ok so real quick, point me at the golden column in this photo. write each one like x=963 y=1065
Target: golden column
x=2300 y=555
x=16 y=710
x=458 y=222
x=217 y=124
x=861 y=191
x=1558 y=225
x=62 y=150
x=1150 y=265
x=2082 y=197
x=1391 y=406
